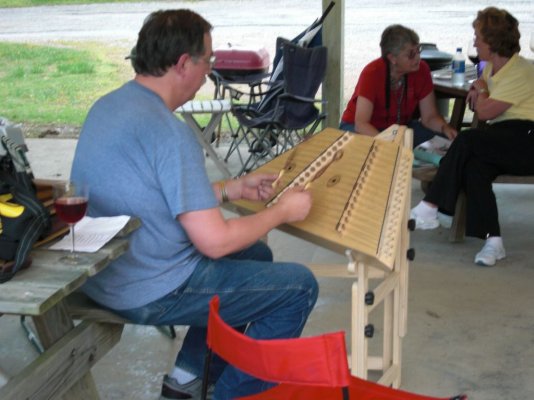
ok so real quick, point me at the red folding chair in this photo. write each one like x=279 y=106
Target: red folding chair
x=359 y=389
x=312 y=368
x=320 y=361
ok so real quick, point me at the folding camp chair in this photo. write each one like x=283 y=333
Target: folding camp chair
x=255 y=103
x=256 y=76
x=287 y=111
x=312 y=368
x=320 y=361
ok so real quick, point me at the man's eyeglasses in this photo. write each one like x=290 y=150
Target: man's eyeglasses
x=210 y=60
x=415 y=52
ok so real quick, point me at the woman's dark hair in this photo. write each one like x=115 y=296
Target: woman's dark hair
x=500 y=30
x=165 y=36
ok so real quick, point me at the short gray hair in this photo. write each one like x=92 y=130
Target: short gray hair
x=395 y=37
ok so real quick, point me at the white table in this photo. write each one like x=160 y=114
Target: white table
x=216 y=108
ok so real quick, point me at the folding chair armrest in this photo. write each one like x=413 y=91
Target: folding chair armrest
x=254 y=82
x=270 y=86
x=262 y=80
x=244 y=111
x=300 y=98
x=225 y=85
x=236 y=94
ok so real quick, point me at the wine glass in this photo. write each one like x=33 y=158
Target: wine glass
x=70 y=203
x=472 y=53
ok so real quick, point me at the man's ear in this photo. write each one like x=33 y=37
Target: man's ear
x=181 y=64
x=391 y=58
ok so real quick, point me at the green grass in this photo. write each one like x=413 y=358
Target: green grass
x=33 y=3
x=43 y=84
x=58 y=84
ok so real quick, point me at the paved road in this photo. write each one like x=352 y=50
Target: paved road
x=259 y=22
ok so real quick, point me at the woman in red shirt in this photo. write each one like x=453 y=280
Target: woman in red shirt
x=391 y=88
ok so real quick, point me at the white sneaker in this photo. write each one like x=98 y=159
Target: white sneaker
x=489 y=255
x=445 y=220
x=424 y=223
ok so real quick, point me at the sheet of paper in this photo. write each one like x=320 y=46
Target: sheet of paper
x=437 y=144
x=431 y=151
x=92 y=233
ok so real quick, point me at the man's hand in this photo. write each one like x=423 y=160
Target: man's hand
x=295 y=203
x=257 y=186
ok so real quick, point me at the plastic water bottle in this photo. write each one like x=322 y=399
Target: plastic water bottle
x=458 y=68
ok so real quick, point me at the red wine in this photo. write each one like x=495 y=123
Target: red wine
x=71 y=209
x=474 y=59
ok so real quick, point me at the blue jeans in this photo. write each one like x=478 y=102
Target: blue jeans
x=420 y=133
x=271 y=300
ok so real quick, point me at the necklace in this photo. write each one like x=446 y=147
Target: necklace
x=399 y=87
x=396 y=83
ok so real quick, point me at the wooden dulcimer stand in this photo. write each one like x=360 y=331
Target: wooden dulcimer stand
x=361 y=200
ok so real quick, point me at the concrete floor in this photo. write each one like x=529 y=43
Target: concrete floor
x=470 y=329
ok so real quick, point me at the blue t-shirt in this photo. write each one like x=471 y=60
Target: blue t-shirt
x=138 y=159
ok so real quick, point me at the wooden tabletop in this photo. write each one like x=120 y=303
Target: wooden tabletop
x=443 y=83
x=47 y=281
x=444 y=88
x=63 y=370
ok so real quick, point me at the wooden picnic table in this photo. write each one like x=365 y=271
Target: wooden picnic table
x=70 y=350
x=444 y=89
